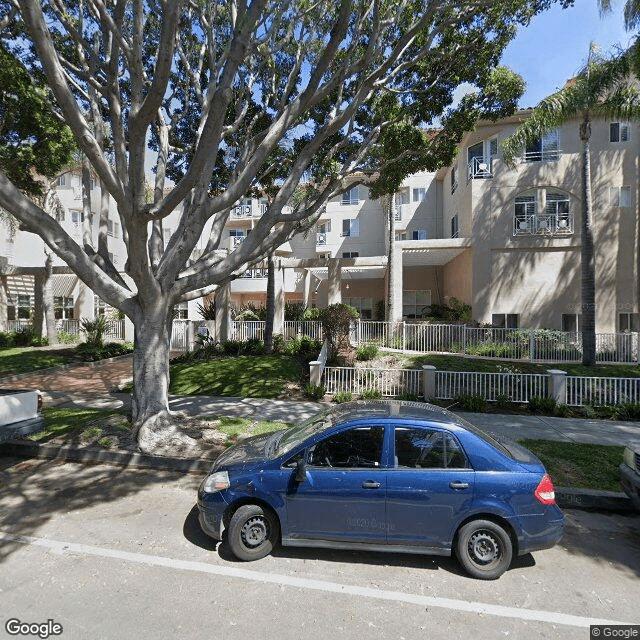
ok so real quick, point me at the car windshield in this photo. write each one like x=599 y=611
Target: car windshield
x=290 y=438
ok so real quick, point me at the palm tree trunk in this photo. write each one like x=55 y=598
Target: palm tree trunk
x=588 y=284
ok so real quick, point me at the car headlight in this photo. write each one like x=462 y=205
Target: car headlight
x=216 y=482
x=628 y=458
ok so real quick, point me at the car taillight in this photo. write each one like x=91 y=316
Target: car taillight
x=544 y=491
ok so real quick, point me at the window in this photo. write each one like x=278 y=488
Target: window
x=350 y=254
x=401 y=235
x=416 y=304
x=628 y=322
x=620 y=196
x=619 y=132
x=113 y=229
x=402 y=196
x=63 y=307
x=181 y=311
x=544 y=149
x=351 y=196
x=62 y=181
x=572 y=322
x=555 y=219
x=351 y=228
x=76 y=218
x=419 y=194
x=363 y=305
x=454 y=179
x=427 y=449
x=359 y=448
x=419 y=234
x=25 y=310
x=480 y=157
x=505 y=320
x=455 y=231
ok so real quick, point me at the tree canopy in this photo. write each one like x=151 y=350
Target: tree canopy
x=240 y=96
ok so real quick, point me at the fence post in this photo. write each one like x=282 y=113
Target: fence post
x=532 y=345
x=428 y=382
x=315 y=372
x=558 y=385
x=358 y=332
x=464 y=340
x=190 y=337
x=404 y=335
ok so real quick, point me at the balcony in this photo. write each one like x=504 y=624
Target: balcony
x=247 y=211
x=321 y=239
x=480 y=168
x=541 y=155
x=544 y=224
x=234 y=242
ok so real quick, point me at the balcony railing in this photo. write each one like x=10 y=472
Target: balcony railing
x=248 y=210
x=321 y=238
x=544 y=224
x=542 y=155
x=236 y=241
x=480 y=168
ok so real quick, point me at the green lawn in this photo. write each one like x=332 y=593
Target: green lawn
x=242 y=376
x=61 y=421
x=14 y=360
x=462 y=363
x=583 y=466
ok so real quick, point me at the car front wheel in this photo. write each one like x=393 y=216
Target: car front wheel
x=484 y=549
x=253 y=532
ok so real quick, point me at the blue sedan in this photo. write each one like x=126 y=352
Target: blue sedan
x=383 y=476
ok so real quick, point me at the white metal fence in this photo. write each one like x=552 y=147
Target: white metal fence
x=602 y=391
x=390 y=382
x=515 y=387
x=535 y=345
x=114 y=331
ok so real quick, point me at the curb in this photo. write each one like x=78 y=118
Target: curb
x=568 y=498
x=132 y=460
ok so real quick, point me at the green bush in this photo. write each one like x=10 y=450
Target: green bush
x=303 y=346
x=627 y=411
x=95 y=330
x=310 y=314
x=336 y=322
x=67 y=338
x=7 y=339
x=503 y=401
x=343 y=396
x=367 y=351
x=563 y=410
x=467 y=402
x=314 y=392
x=542 y=405
x=371 y=394
x=91 y=352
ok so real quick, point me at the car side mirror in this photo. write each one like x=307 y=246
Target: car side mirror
x=301 y=471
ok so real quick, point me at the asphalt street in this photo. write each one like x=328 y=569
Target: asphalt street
x=107 y=552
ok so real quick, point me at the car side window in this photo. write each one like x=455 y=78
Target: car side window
x=359 y=448
x=427 y=449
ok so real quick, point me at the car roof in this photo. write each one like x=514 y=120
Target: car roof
x=386 y=409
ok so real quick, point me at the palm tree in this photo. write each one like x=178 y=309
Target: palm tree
x=603 y=88
x=631 y=12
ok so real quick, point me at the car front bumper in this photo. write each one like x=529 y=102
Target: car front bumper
x=630 y=481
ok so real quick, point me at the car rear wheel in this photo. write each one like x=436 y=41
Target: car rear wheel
x=484 y=549
x=253 y=532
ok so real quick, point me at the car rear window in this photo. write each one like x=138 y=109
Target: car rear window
x=486 y=437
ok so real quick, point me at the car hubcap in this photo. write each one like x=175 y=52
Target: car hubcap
x=483 y=547
x=254 y=532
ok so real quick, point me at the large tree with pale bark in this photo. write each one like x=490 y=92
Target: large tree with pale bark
x=232 y=96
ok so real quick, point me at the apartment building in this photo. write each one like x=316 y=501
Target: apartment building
x=504 y=239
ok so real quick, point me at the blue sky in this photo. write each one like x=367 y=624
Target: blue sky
x=556 y=44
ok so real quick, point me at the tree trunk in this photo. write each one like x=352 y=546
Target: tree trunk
x=270 y=304
x=588 y=284
x=157 y=432
x=47 y=300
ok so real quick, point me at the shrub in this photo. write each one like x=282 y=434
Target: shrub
x=67 y=338
x=254 y=347
x=310 y=314
x=314 y=392
x=336 y=322
x=303 y=346
x=503 y=401
x=90 y=352
x=371 y=394
x=343 y=396
x=627 y=411
x=563 y=410
x=293 y=311
x=208 y=310
x=95 y=330
x=7 y=339
x=247 y=315
x=476 y=402
x=231 y=347
x=542 y=405
x=367 y=351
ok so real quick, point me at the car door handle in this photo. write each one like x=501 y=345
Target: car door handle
x=370 y=485
x=459 y=485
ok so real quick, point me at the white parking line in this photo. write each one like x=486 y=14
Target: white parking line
x=549 y=617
